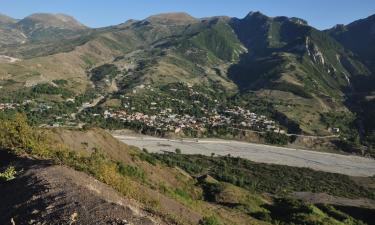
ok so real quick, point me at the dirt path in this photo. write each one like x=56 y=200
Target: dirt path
x=86 y=105
x=329 y=162
x=47 y=194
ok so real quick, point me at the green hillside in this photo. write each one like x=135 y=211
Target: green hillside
x=278 y=66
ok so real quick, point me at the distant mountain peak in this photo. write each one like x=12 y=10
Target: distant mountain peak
x=299 y=21
x=176 y=18
x=52 y=20
x=339 y=28
x=4 y=19
x=255 y=14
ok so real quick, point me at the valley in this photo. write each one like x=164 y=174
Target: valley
x=59 y=174
x=210 y=77
x=178 y=120
x=328 y=162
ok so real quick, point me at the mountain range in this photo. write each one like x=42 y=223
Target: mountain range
x=270 y=80
x=307 y=79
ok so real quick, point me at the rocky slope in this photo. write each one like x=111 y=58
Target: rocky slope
x=359 y=37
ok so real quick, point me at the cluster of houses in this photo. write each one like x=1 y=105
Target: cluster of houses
x=166 y=120
x=36 y=106
x=8 y=106
x=246 y=119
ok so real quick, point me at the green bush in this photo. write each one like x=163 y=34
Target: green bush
x=17 y=135
x=147 y=157
x=276 y=138
x=209 y=220
x=102 y=71
x=211 y=190
x=131 y=171
x=295 y=89
x=8 y=174
x=51 y=90
x=60 y=82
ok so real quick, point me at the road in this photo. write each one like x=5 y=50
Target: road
x=329 y=162
x=86 y=105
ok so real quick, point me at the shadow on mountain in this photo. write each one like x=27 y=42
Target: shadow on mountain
x=364 y=214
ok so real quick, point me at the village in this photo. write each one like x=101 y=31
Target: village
x=8 y=106
x=36 y=107
x=166 y=120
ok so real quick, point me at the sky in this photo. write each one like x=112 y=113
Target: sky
x=321 y=14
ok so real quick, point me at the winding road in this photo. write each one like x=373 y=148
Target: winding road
x=329 y=162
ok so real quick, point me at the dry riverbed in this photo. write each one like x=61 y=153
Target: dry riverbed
x=329 y=162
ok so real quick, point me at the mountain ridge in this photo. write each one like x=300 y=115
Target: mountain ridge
x=302 y=73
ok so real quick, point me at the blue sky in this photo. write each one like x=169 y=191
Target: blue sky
x=97 y=13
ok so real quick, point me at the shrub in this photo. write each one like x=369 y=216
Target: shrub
x=8 y=174
x=17 y=135
x=51 y=90
x=60 y=82
x=276 y=139
x=131 y=171
x=147 y=157
x=102 y=71
x=211 y=190
x=209 y=220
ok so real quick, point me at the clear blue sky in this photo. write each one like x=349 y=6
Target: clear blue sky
x=97 y=13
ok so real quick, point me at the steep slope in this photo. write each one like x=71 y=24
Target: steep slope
x=359 y=37
x=298 y=51
x=9 y=34
x=56 y=194
x=287 y=55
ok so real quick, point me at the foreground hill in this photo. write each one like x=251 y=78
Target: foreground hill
x=279 y=67
x=57 y=194
x=119 y=184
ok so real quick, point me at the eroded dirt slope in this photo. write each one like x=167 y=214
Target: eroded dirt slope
x=43 y=193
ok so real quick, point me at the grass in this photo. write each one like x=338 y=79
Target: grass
x=220 y=41
x=261 y=178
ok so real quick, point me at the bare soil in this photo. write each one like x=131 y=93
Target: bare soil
x=43 y=193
